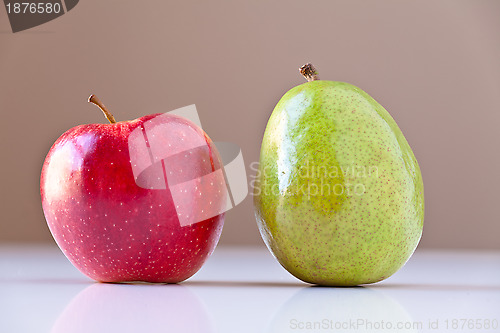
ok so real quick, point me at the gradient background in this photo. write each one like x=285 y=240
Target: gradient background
x=434 y=65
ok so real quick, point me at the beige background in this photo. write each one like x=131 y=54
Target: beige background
x=435 y=65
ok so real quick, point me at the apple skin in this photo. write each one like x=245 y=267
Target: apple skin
x=110 y=228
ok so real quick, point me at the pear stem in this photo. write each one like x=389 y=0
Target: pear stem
x=309 y=72
x=94 y=100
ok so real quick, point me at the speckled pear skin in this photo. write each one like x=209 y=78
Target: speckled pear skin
x=338 y=197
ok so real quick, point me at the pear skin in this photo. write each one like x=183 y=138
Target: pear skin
x=339 y=197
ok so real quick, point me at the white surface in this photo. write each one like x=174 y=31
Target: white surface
x=246 y=290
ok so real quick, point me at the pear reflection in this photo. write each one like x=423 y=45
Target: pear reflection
x=134 y=308
x=319 y=309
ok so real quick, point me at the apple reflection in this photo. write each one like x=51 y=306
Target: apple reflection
x=317 y=309
x=134 y=308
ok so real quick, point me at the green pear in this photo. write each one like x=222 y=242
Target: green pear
x=338 y=196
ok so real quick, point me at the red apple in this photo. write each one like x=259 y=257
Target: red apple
x=139 y=200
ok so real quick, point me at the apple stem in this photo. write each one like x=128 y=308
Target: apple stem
x=94 y=100
x=309 y=72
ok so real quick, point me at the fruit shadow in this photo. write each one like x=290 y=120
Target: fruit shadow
x=381 y=286
x=264 y=284
x=46 y=281
x=437 y=286
x=258 y=284
x=239 y=284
